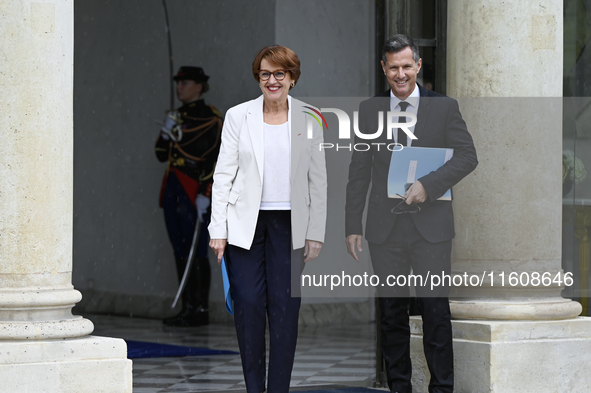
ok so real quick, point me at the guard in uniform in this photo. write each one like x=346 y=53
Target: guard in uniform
x=189 y=142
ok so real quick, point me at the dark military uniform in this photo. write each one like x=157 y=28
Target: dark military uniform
x=191 y=162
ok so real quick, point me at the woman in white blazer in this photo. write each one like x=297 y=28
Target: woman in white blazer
x=268 y=215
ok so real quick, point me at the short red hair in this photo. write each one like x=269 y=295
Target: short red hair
x=280 y=55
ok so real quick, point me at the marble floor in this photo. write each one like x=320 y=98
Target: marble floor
x=326 y=355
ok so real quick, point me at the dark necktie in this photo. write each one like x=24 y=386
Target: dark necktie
x=402 y=119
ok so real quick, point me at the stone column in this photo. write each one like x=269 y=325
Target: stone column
x=38 y=334
x=504 y=65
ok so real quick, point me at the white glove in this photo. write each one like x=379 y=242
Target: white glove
x=171 y=128
x=202 y=203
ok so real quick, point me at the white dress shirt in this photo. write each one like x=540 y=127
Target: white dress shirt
x=413 y=107
x=277 y=159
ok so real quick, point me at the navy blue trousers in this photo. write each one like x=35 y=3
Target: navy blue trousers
x=260 y=283
x=180 y=216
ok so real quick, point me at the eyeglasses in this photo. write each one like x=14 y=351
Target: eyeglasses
x=403 y=208
x=278 y=74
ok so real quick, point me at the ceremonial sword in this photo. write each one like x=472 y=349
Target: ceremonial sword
x=189 y=261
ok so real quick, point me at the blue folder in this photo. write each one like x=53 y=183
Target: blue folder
x=226 y=281
x=411 y=163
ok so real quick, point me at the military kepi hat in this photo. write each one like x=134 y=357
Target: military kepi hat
x=192 y=73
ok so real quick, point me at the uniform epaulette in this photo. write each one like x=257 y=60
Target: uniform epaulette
x=215 y=111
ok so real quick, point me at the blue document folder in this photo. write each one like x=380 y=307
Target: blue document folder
x=226 y=282
x=411 y=163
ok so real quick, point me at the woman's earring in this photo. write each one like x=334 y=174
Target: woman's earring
x=292 y=83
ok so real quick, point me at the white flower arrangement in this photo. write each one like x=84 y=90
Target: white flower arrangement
x=574 y=166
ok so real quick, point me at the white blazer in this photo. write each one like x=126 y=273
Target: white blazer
x=238 y=178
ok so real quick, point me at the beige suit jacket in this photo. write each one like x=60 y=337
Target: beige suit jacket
x=238 y=177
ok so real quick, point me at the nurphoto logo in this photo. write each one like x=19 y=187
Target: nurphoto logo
x=392 y=123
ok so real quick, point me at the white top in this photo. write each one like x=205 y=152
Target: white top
x=276 y=169
x=413 y=107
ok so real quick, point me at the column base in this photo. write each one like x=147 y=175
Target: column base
x=90 y=364
x=75 y=326
x=513 y=356
x=40 y=313
x=532 y=309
